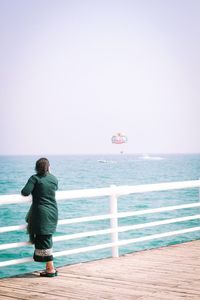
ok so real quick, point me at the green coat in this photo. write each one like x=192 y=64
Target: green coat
x=43 y=214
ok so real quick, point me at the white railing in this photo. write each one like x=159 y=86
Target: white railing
x=113 y=192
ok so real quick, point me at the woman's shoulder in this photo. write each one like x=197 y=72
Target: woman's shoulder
x=34 y=178
x=53 y=177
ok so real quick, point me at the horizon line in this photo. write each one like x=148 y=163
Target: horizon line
x=120 y=154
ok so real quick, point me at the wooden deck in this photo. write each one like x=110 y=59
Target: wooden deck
x=166 y=273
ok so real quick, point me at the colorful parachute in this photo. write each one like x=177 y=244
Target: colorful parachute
x=119 y=138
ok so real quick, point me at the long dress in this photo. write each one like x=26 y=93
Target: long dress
x=43 y=216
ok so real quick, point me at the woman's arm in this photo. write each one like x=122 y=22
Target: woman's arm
x=28 y=188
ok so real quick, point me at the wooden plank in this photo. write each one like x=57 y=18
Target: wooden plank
x=166 y=273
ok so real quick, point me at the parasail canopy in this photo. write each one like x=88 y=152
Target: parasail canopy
x=119 y=138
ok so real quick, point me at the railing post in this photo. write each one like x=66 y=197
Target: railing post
x=114 y=221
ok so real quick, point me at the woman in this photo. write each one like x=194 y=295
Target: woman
x=43 y=215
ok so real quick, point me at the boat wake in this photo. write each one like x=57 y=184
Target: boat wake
x=148 y=157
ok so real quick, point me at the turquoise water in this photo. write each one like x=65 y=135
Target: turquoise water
x=79 y=172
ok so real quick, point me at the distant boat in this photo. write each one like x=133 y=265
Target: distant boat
x=103 y=161
x=147 y=157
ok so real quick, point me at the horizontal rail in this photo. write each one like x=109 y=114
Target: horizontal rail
x=14 y=199
x=126 y=242
x=108 y=216
x=126 y=189
x=12 y=228
x=158 y=236
x=104 y=246
x=15 y=261
x=100 y=192
x=105 y=231
x=14 y=245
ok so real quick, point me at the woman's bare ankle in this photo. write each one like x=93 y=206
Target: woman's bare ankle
x=50 y=270
x=50 y=267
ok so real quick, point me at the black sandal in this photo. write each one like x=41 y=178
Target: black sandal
x=46 y=274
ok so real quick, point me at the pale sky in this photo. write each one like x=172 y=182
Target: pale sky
x=73 y=73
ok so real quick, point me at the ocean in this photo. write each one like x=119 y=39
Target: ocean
x=94 y=171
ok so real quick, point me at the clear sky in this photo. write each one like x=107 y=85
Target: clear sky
x=72 y=73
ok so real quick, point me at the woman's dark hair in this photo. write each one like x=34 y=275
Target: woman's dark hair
x=42 y=166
